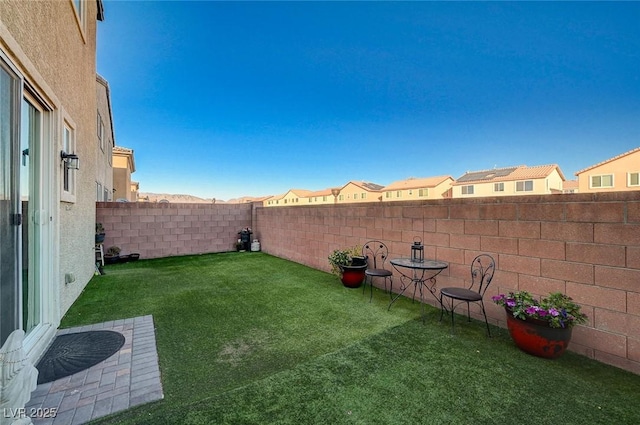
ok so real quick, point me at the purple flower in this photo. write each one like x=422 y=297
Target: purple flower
x=542 y=312
x=531 y=310
x=511 y=303
x=554 y=312
x=498 y=297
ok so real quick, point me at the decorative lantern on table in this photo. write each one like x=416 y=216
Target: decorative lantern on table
x=417 y=250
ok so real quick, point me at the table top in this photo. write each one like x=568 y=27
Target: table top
x=426 y=265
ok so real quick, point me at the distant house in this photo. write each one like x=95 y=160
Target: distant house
x=353 y=191
x=418 y=188
x=620 y=173
x=570 y=186
x=293 y=197
x=320 y=197
x=358 y=191
x=510 y=181
x=123 y=166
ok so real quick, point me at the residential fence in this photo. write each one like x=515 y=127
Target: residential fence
x=163 y=229
x=584 y=245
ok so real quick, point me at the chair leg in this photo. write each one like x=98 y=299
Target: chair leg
x=371 y=289
x=485 y=319
x=441 y=308
x=468 y=312
x=390 y=288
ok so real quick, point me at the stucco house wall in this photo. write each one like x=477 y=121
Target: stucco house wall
x=620 y=167
x=55 y=53
x=123 y=167
x=104 y=147
x=551 y=181
x=356 y=192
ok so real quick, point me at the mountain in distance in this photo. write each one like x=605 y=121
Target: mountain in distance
x=175 y=198
x=190 y=199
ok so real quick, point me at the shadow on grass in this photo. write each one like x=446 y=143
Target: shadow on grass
x=255 y=339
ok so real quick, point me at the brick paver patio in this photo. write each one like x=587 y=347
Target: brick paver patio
x=128 y=378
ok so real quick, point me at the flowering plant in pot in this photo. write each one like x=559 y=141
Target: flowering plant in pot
x=540 y=327
x=349 y=264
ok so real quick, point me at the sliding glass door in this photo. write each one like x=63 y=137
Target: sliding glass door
x=24 y=215
x=30 y=145
x=10 y=209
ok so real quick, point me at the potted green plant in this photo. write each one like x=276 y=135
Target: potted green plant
x=100 y=235
x=349 y=265
x=540 y=327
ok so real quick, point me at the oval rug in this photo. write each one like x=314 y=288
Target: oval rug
x=72 y=353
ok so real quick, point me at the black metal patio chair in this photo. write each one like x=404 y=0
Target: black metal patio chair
x=482 y=270
x=376 y=253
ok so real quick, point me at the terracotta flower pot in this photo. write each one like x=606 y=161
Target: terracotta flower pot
x=537 y=338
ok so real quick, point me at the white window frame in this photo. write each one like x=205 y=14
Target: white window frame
x=498 y=187
x=601 y=186
x=630 y=175
x=467 y=190
x=68 y=193
x=424 y=192
x=100 y=128
x=80 y=12
x=521 y=186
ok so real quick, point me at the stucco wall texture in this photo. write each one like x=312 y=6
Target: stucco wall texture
x=57 y=57
x=585 y=245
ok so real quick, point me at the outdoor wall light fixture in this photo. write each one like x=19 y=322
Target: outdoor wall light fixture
x=417 y=251
x=71 y=159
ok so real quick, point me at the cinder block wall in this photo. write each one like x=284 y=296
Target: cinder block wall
x=164 y=229
x=585 y=245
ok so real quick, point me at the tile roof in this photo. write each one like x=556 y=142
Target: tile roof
x=301 y=193
x=608 y=160
x=323 y=192
x=371 y=187
x=520 y=172
x=415 y=183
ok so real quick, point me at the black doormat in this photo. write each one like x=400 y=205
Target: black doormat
x=72 y=353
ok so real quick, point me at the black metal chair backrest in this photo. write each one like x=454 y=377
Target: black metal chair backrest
x=482 y=269
x=377 y=252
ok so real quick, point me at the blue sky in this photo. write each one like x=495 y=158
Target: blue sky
x=229 y=99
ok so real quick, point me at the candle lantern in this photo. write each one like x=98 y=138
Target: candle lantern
x=417 y=251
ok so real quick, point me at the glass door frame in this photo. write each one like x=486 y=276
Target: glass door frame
x=41 y=219
x=11 y=308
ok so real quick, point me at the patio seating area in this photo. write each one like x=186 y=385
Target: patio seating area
x=251 y=338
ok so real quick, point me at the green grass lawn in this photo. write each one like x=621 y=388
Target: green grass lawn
x=247 y=338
